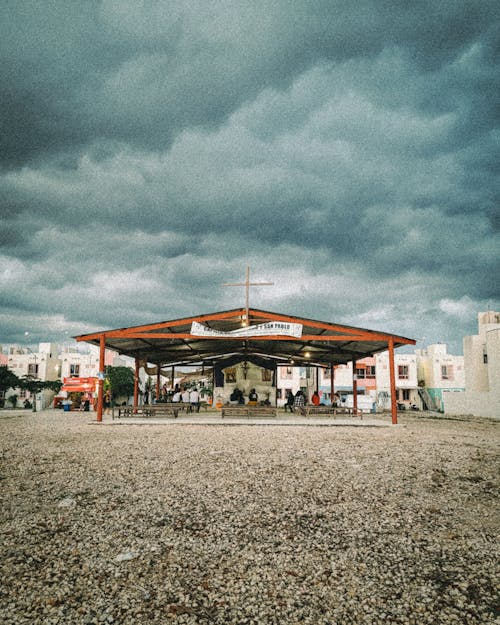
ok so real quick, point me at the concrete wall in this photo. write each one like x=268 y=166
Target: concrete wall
x=476 y=370
x=253 y=379
x=493 y=352
x=471 y=403
x=482 y=372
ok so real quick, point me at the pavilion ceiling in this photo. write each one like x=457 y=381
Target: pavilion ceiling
x=172 y=343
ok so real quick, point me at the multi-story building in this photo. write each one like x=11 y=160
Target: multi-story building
x=405 y=366
x=76 y=364
x=43 y=365
x=482 y=371
x=438 y=371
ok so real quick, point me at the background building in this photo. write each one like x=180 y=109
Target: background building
x=43 y=365
x=438 y=371
x=482 y=371
x=405 y=366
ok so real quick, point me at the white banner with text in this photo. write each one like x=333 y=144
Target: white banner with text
x=271 y=328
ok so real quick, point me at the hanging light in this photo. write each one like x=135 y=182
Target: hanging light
x=307 y=354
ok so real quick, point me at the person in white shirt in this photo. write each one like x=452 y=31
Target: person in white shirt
x=194 y=400
x=176 y=397
x=185 y=398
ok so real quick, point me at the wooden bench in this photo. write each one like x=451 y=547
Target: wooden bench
x=311 y=411
x=187 y=407
x=248 y=411
x=147 y=411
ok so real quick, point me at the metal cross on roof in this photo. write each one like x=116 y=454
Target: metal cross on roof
x=247 y=284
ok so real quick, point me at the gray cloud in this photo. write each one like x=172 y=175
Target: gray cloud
x=348 y=153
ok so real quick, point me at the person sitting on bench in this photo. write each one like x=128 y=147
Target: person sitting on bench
x=253 y=398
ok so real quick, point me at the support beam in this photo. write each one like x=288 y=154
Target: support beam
x=332 y=383
x=392 y=373
x=354 y=388
x=100 y=381
x=136 y=384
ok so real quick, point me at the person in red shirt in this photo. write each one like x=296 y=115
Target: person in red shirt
x=315 y=399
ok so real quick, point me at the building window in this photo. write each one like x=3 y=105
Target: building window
x=22 y=393
x=370 y=371
x=406 y=394
x=267 y=375
x=33 y=370
x=278 y=393
x=230 y=375
x=360 y=373
x=403 y=372
x=446 y=372
x=286 y=373
x=485 y=358
x=74 y=370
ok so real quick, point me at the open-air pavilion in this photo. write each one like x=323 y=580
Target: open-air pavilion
x=245 y=334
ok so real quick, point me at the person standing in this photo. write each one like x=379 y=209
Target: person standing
x=289 y=401
x=107 y=401
x=194 y=400
x=315 y=400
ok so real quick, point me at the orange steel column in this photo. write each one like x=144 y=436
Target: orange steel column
x=100 y=377
x=157 y=381
x=354 y=389
x=136 y=384
x=394 y=407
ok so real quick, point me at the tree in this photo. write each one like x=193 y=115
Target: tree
x=121 y=381
x=13 y=400
x=7 y=379
x=34 y=386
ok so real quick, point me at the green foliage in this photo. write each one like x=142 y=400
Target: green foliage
x=53 y=385
x=31 y=384
x=13 y=400
x=34 y=385
x=7 y=379
x=121 y=381
x=207 y=391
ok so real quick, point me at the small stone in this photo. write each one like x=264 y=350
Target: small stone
x=128 y=555
x=68 y=502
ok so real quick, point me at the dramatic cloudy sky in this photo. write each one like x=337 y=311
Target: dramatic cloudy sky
x=346 y=151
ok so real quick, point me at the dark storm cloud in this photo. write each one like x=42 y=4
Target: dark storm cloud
x=346 y=151
x=77 y=72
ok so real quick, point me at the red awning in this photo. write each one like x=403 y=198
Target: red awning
x=79 y=385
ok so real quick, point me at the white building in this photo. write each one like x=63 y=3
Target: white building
x=482 y=371
x=77 y=364
x=287 y=379
x=438 y=371
x=43 y=365
x=405 y=366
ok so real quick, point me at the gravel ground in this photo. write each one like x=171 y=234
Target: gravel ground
x=213 y=524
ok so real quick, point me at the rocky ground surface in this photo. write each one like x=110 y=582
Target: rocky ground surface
x=211 y=524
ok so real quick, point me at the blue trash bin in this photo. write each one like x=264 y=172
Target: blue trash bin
x=66 y=407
